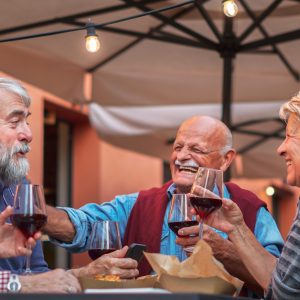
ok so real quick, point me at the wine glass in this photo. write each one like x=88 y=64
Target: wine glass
x=29 y=214
x=206 y=193
x=180 y=215
x=105 y=238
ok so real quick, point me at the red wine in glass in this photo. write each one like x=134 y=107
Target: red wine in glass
x=105 y=238
x=206 y=193
x=29 y=212
x=29 y=224
x=176 y=226
x=96 y=253
x=205 y=206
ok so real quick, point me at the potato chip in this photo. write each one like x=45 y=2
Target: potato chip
x=107 y=277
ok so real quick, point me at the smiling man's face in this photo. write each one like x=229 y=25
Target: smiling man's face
x=198 y=143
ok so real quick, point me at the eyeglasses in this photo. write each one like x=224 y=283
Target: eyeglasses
x=201 y=151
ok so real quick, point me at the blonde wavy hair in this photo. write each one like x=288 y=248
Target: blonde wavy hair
x=292 y=106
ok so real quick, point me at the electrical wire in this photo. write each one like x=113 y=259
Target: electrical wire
x=98 y=26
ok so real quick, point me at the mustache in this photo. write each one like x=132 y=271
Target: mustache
x=188 y=163
x=24 y=148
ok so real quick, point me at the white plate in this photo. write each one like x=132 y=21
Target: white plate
x=126 y=291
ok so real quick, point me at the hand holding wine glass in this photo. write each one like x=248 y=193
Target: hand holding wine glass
x=13 y=241
x=29 y=214
x=206 y=193
x=105 y=238
x=114 y=263
x=227 y=218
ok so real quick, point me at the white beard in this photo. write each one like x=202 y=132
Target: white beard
x=13 y=168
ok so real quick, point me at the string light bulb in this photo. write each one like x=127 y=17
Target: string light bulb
x=270 y=191
x=230 y=8
x=92 y=42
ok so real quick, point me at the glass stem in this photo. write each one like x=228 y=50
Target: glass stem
x=28 y=259
x=201 y=228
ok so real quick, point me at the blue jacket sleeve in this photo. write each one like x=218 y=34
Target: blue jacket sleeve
x=267 y=232
x=116 y=210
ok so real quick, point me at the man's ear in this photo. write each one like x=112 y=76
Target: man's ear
x=227 y=159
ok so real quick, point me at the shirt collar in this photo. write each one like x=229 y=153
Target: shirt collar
x=171 y=190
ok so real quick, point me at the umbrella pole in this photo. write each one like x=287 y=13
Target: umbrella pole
x=227 y=53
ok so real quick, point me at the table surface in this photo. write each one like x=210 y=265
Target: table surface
x=115 y=297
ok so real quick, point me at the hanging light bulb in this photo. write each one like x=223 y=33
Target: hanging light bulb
x=230 y=8
x=92 y=42
x=270 y=191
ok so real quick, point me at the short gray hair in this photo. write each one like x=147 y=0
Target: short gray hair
x=228 y=140
x=15 y=87
x=292 y=106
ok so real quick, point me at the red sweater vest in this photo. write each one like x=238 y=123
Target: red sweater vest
x=146 y=219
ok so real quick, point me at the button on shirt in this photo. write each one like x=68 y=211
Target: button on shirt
x=119 y=209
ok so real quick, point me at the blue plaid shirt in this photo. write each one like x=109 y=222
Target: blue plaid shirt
x=119 y=209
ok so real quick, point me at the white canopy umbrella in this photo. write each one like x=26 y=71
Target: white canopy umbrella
x=153 y=72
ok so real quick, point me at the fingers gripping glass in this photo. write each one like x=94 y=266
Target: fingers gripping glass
x=29 y=214
x=105 y=238
x=206 y=193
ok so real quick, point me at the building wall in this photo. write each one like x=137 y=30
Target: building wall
x=124 y=172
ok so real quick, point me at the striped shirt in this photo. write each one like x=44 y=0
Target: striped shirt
x=285 y=283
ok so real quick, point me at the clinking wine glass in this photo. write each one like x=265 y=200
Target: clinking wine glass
x=29 y=214
x=180 y=215
x=206 y=193
x=105 y=238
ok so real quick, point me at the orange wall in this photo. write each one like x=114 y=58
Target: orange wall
x=86 y=165
x=124 y=172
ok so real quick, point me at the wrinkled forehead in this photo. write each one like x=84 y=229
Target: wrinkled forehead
x=209 y=136
x=10 y=102
x=293 y=125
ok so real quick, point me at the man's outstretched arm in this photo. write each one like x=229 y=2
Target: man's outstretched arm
x=59 y=225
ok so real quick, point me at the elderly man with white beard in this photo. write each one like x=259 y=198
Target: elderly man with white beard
x=143 y=216
x=15 y=135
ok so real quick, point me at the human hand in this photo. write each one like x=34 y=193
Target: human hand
x=216 y=242
x=13 y=242
x=220 y=246
x=227 y=218
x=189 y=236
x=56 y=281
x=113 y=263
